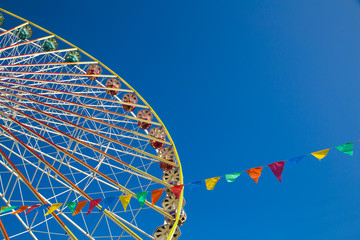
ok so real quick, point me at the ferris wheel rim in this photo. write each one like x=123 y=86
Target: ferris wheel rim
x=175 y=224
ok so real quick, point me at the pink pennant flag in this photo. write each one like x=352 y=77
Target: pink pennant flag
x=177 y=190
x=277 y=168
x=93 y=204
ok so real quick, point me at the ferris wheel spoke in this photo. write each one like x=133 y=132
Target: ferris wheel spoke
x=132 y=225
x=24 y=43
x=27 y=59
x=27 y=228
x=33 y=55
x=79 y=153
x=3 y=231
x=59 y=83
x=128 y=223
x=79 y=115
x=106 y=212
x=37 y=167
x=52 y=91
x=142 y=174
x=57 y=73
x=17 y=216
x=10 y=30
x=118 y=186
x=49 y=202
x=69 y=220
x=79 y=127
x=34 y=191
x=124 y=189
x=21 y=233
x=47 y=64
x=100 y=131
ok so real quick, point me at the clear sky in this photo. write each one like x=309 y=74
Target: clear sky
x=239 y=84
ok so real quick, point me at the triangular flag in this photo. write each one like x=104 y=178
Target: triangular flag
x=20 y=210
x=156 y=195
x=32 y=208
x=42 y=207
x=141 y=198
x=193 y=186
x=255 y=173
x=2 y=208
x=71 y=206
x=347 y=148
x=211 y=182
x=53 y=208
x=93 y=204
x=7 y=209
x=294 y=161
x=277 y=169
x=125 y=200
x=176 y=190
x=107 y=202
x=80 y=205
x=232 y=176
x=320 y=154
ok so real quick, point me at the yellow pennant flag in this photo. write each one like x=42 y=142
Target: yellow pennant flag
x=2 y=208
x=125 y=201
x=320 y=154
x=53 y=208
x=211 y=182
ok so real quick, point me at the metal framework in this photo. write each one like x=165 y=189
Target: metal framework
x=63 y=138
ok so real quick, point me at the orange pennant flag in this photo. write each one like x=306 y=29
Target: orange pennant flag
x=255 y=173
x=20 y=210
x=79 y=206
x=156 y=195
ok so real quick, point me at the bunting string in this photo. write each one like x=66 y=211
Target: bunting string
x=276 y=167
x=210 y=183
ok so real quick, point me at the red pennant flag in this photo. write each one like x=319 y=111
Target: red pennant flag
x=255 y=173
x=277 y=168
x=32 y=208
x=177 y=190
x=93 y=204
x=156 y=195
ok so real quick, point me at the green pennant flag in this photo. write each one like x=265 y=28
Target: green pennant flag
x=8 y=209
x=232 y=176
x=142 y=198
x=347 y=148
x=71 y=206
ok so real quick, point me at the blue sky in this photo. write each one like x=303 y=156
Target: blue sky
x=239 y=84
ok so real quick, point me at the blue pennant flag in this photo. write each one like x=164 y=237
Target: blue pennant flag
x=107 y=202
x=193 y=186
x=294 y=161
x=41 y=208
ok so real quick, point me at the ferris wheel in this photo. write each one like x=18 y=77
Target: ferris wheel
x=72 y=130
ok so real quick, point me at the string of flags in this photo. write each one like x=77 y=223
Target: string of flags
x=210 y=183
x=76 y=207
x=276 y=167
